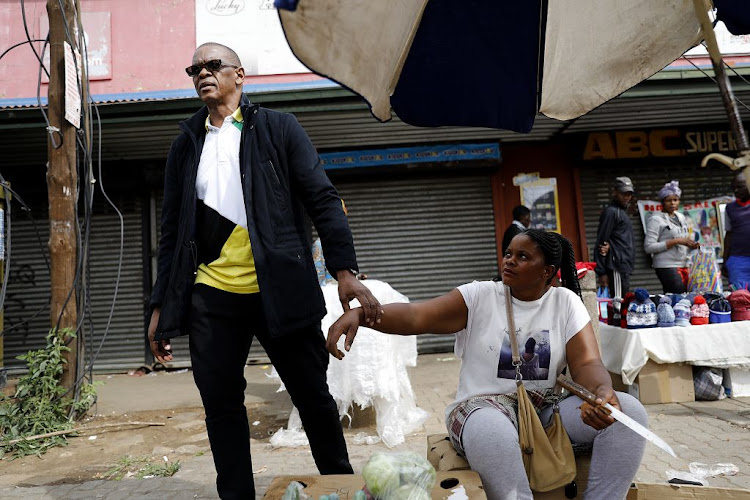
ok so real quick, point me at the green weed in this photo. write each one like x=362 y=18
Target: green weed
x=39 y=405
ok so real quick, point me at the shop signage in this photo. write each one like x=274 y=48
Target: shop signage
x=421 y=154
x=250 y=27
x=225 y=7
x=656 y=143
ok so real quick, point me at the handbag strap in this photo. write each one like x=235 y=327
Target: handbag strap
x=512 y=333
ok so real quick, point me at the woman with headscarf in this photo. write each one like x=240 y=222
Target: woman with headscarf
x=668 y=240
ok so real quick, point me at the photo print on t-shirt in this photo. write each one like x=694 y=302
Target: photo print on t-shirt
x=535 y=357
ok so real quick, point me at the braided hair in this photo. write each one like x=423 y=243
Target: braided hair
x=558 y=252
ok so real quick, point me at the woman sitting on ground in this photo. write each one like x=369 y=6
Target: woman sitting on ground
x=667 y=240
x=482 y=422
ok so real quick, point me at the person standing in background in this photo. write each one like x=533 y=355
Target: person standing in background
x=667 y=240
x=521 y=222
x=615 y=258
x=737 y=238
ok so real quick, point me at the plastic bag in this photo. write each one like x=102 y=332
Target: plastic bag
x=399 y=476
x=707 y=383
x=703 y=273
x=295 y=491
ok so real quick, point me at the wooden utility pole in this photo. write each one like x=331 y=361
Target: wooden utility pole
x=62 y=186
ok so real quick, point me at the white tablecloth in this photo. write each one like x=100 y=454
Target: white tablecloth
x=720 y=345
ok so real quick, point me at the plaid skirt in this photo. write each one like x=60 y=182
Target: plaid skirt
x=505 y=403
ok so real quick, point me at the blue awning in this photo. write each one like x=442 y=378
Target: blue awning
x=176 y=94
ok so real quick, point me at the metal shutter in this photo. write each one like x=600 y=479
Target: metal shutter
x=28 y=284
x=28 y=288
x=180 y=345
x=648 y=177
x=423 y=235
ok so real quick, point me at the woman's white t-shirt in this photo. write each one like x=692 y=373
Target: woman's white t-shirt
x=543 y=326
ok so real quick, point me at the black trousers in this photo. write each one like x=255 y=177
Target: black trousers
x=223 y=327
x=670 y=279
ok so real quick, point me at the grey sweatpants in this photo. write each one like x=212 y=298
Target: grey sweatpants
x=491 y=444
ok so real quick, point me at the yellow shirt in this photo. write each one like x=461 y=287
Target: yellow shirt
x=234 y=268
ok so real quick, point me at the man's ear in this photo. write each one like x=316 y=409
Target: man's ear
x=240 y=75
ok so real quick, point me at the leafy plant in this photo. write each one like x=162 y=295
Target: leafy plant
x=140 y=467
x=38 y=405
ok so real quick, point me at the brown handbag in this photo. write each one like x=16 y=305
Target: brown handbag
x=547 y=452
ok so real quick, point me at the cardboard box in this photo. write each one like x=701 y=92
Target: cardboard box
x=448 y=483
x=443 y=457
x=647 y=491
x=583 y=463
x=660 y=383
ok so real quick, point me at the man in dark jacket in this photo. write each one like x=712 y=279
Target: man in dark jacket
x=615 y=255
x=521 y=222
x=235 y=263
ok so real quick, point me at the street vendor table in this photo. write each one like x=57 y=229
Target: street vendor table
x=723 y=345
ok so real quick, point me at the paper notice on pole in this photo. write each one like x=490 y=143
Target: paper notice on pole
x=72 y=94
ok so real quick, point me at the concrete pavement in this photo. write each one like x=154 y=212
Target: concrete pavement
x=708 y=432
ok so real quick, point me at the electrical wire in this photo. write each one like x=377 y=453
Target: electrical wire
x=50 y=129
x=6 y=274
x=84 y=247
x=714 y=80
x=29 y=40
x=19 y=44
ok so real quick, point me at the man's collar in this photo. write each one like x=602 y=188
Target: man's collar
x=236 y=116
x=519 y=225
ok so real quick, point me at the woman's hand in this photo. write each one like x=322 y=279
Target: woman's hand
x=692 y=244
x=345 y=325
x=596 y=416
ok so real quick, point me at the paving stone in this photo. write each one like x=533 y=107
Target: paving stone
x=195 y=438
x=189 y=449
x=160 y=451
x=191 y=425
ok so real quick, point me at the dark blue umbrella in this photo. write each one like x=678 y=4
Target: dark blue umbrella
x=488 y=63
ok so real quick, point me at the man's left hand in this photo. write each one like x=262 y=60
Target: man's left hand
x=350 y=288
x=596 y=416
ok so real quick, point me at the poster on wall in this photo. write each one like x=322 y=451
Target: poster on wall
x=703 y=224
x=252 y=29
x=540 y=196
x=98 y=38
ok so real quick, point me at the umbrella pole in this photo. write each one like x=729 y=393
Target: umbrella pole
x=727 y=96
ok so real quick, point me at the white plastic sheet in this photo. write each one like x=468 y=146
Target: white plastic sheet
x=373 y=374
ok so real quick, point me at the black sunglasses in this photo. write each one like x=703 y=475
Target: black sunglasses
x=213 y=66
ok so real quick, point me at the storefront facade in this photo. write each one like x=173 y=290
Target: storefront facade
x=651 y=158
x=424 y=227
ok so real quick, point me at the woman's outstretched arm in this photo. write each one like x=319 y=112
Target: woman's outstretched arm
x=445 y=314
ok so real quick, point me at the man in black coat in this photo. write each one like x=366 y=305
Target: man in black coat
x=521 y=222
x=235 y=263
x=615 y=254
